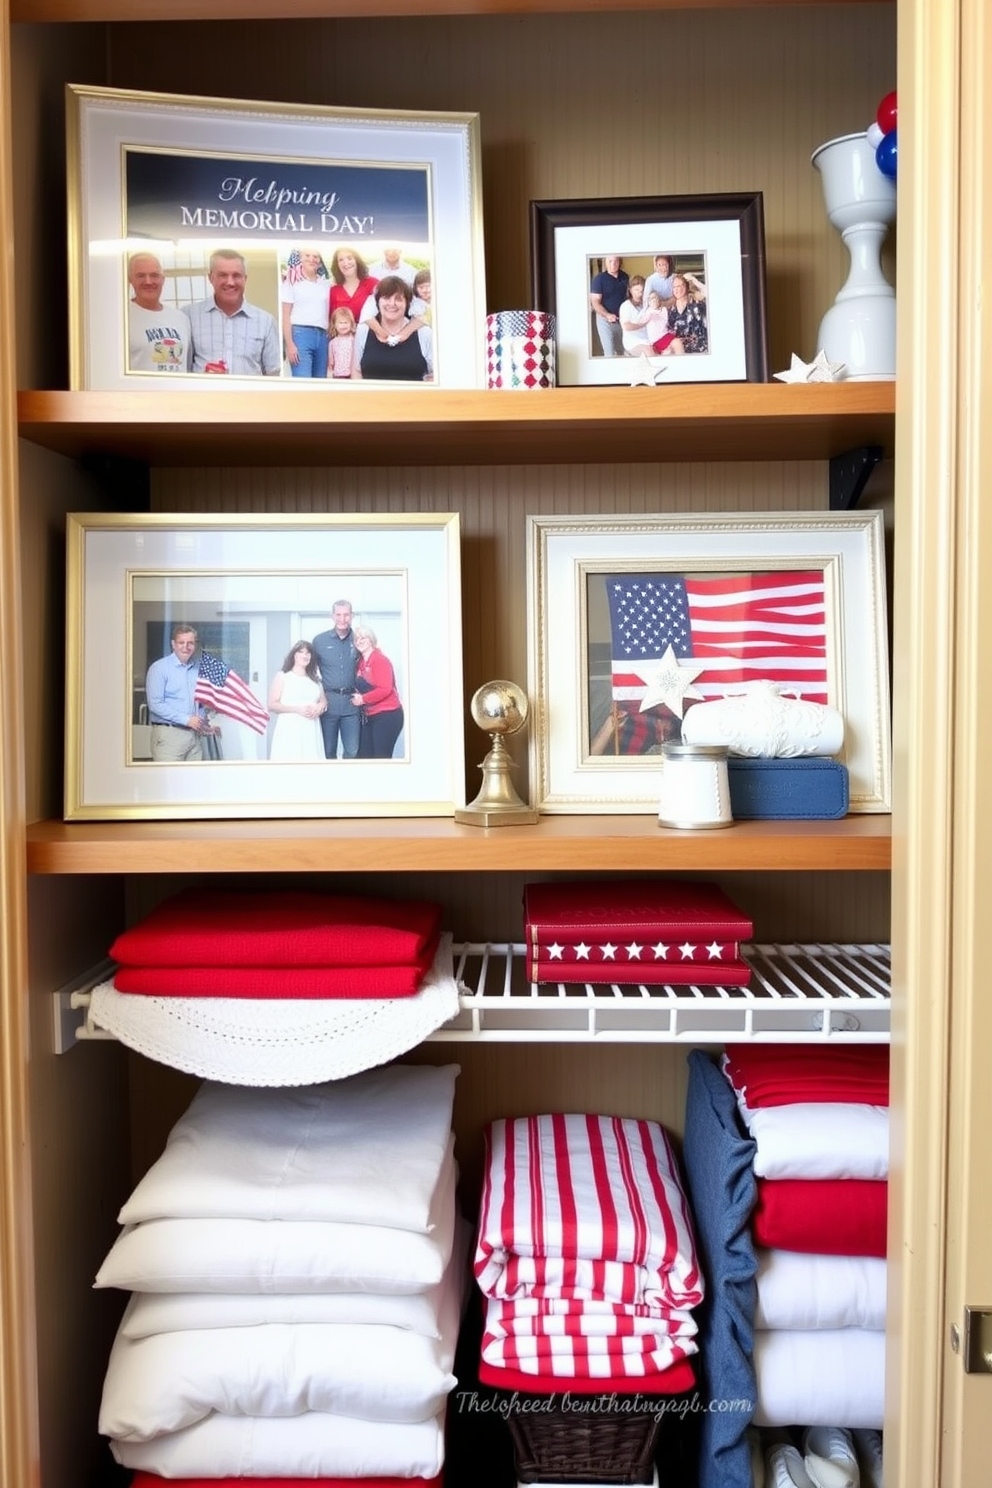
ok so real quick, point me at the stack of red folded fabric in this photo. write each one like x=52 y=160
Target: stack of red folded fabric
x=208 y=943
x=650 y=931
x=585 y=1257
x=819 y=1118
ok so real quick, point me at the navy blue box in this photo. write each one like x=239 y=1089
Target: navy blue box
x=808 y=788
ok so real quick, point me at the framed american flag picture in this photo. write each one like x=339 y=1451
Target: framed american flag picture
x=635 y=621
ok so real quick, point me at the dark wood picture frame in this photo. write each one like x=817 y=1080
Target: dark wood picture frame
x=575 y=230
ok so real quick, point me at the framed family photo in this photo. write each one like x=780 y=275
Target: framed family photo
x=679 y=280
x=219 y=243
x=633 y=620
x=263 y=666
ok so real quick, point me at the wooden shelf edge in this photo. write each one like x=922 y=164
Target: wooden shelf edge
x=436 y=426
x=555 y=844
x=37 y=11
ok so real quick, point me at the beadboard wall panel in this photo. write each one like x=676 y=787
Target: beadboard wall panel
x=556 y=123
x=494 y=502
x=495 y=1080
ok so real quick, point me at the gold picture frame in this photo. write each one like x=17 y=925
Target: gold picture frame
x=181 y=188
x=596 y=735
x=252 y=590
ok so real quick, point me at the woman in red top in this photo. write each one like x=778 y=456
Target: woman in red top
x=375 y=693
x=353 y=284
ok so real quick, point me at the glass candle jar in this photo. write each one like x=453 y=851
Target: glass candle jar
x=695 y=790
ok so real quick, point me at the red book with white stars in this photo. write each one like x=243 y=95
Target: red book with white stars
x=634 y=930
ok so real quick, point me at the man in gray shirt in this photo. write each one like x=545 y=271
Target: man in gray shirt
x=337 y=658
x=230 y=334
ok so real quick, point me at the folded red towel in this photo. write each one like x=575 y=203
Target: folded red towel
x=822 y=1216
x=282 y=928
x=674 y=1381
x=152 y=1480
x=780 y=1075
x=275 y=981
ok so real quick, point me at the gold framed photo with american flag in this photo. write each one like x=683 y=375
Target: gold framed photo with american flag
x=263 y=666
x=633 y=621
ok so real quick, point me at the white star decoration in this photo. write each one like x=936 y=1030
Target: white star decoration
x=670 y=683
x=645 y=373
x=601 y=951
x=818 y=370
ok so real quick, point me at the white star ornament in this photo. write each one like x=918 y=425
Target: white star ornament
x=818 y=370
x=670 y=683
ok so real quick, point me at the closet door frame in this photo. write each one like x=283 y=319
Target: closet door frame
x=18 y=1396
x=938 y=1208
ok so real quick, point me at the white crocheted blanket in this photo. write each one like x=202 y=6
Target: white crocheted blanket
x=278 y=1041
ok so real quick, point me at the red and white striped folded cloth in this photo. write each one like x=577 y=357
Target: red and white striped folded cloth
x=553 y=1315
x=590 y=1340
x=585 y=1208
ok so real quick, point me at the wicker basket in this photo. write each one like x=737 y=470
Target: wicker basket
x=556 y=1440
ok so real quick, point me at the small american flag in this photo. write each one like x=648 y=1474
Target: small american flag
x=747 y=627
x=294 y=267
x=219 y=687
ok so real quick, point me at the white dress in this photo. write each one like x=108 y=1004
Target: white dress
x=633 y=336
x=295 y=737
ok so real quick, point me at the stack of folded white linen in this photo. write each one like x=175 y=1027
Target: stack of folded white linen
x=297 y=1270
x=820 y=1122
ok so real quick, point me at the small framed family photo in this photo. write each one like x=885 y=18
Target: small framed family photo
x=263 y=666
x=678 y=281
x=633 y=621
x=218 y=243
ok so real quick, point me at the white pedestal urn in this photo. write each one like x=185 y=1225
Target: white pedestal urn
x=859 y=329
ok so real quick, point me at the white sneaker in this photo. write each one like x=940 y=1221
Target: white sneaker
x=868 y=1445
x=784 y=1468
x=830 y=1458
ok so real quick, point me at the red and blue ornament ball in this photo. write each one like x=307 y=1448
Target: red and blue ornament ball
x=883 y=135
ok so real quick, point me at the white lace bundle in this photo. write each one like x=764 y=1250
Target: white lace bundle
x=278 y=1041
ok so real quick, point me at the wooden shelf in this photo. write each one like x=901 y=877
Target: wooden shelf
x=558 y=844
x=286 y=425
x=258 y=10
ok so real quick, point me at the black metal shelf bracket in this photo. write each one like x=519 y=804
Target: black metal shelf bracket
x=849 y=474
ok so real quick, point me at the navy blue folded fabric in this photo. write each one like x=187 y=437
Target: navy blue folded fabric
x=806 y=789
x=719 y=1173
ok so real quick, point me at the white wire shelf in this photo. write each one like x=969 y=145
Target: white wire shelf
x=797 y=994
